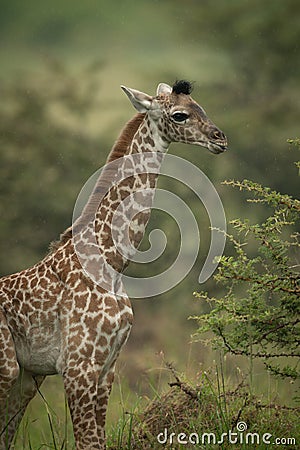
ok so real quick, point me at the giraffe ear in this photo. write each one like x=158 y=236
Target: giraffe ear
x=163 y=88
x=142 y=102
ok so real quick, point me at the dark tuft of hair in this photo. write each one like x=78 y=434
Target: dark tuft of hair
x=182 y=87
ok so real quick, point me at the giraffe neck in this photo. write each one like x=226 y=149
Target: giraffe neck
x=139 y=135
x=119 y=208
x=128 y=204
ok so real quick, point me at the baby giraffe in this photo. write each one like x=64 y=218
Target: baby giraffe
x=69 y=313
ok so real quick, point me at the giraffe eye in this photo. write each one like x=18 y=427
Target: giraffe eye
x=180 y=117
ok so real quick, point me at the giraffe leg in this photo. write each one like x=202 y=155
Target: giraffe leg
x=9 y=372
x=20 y=394
x=106 y=379
x=81 y=389
x=103 y=393
x=17 y=387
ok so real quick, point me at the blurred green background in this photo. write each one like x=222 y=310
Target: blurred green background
x=61 y=109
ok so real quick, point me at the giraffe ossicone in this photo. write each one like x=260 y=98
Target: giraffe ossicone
x=54 y=319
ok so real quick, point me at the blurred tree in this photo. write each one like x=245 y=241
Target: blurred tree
x=45 y=157
x=261 y=41
x=247 y=53
x=262 y=37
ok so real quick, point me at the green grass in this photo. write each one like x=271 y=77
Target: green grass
x=46 y=423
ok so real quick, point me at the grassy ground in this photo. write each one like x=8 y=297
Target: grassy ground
x=206 y=416
x=195 y=404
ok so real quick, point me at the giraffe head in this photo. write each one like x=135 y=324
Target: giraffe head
x=178 y=117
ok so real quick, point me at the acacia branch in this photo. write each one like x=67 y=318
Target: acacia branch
x=267 y=284
x=278 y=327
x=255 y=354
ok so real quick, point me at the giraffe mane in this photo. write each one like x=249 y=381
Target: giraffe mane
x=118 y=150
x=124 y=140
x=182 y=87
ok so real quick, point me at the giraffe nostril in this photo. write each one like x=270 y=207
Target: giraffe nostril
x=218 y=134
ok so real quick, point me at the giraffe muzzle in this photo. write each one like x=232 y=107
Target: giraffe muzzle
x=217 y=148
x=217 y=141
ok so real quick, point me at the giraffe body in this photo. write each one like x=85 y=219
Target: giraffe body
x=69 y=314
